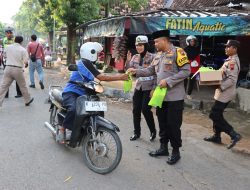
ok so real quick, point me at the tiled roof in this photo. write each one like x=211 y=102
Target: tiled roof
x=155 y=4
x=198 y=3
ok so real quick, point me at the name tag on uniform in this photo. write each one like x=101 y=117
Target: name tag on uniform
x=145 y=78
x=168 y=67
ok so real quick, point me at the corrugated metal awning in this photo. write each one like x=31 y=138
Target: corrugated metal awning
x=109 y=28
x=180 y=22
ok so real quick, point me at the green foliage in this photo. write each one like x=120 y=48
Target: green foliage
x=2 y=30
x=46 y=18
x=26 y=20
x=108 y=69
x=99 y=65
x=74 y=12
x=134 y=5
x=137 y=5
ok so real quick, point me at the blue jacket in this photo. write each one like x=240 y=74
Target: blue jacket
x=75 y=76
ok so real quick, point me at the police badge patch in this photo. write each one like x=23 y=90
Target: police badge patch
x=182 y=58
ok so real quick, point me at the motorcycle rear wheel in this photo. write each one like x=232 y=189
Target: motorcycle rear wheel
x=94 y=157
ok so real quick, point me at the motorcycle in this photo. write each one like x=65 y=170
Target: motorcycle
x=101 y=145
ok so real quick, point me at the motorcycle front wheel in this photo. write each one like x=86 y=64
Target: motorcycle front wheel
x=103 y=154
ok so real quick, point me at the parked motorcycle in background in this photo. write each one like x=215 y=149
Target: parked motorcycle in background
x=208 y=60
x=102 y=148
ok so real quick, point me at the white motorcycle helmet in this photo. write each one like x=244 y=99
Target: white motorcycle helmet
x=90 y=50
x=189 y=38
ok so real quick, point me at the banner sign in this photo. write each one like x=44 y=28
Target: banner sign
x=207 y=26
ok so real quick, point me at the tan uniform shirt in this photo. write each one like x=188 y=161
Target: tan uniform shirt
x=172 y=66
x=144 y=83
x=230 y=71
x=16 y=55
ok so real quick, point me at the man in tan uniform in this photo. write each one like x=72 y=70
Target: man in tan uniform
x=9 y=39
x=172 y=67
x=224 y=94
x=17 y=56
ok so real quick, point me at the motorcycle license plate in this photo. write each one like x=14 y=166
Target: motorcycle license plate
x=95 y=106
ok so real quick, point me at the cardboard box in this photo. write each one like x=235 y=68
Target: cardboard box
x=210 y=78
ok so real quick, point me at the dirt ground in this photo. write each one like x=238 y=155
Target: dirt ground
x=240 y=122
x=199 y=125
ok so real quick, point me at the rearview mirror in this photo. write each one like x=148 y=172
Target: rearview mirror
x=73 y=67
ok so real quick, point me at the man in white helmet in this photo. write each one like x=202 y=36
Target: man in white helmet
x=89 y=53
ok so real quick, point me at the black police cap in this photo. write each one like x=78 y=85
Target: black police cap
x=234 y=43
x=161 y=33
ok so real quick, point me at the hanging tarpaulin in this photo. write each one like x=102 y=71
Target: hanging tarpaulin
x=207 y=26
x=108 y=28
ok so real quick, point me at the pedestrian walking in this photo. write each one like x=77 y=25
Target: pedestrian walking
x=37 y=59
x=7 y=40
x=48 y=56
x=143 y=87
x=193 y=53
x=16 y=57
x=171 y=66
x=224 y=94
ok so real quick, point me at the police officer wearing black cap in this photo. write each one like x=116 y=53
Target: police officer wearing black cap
x=224 y=94
x=172 y=67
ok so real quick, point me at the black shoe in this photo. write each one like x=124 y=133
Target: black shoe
x=72 y=145
x=32 y=86
x=214 y=139
x=7 y=95
x=162 y=151
x=134 y=137
x=31 y=100
x=18 y=96
x=174 y=158
x=41 y=84
x=234 y=139
x=152 y=136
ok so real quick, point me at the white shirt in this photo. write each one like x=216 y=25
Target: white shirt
x=16 y=55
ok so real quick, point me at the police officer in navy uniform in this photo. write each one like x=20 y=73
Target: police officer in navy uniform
x=172 y=67
x=224 y=94
x=143 y=87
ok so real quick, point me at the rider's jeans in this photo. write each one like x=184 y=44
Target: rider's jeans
x=69 y=102
x=38 y=67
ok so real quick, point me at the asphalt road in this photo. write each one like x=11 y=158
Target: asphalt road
x=31 y=160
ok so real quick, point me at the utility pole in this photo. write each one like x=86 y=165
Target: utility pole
x=106 y=50
x=54 y=34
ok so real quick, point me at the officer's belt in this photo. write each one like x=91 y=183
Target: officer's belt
x=145 y=78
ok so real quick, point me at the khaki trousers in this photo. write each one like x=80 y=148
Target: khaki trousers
x=11 y=74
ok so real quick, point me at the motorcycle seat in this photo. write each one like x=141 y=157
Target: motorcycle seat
x=57 y=94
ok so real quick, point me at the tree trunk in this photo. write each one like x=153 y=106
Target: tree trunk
x=71 y=43
x=51 y=39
